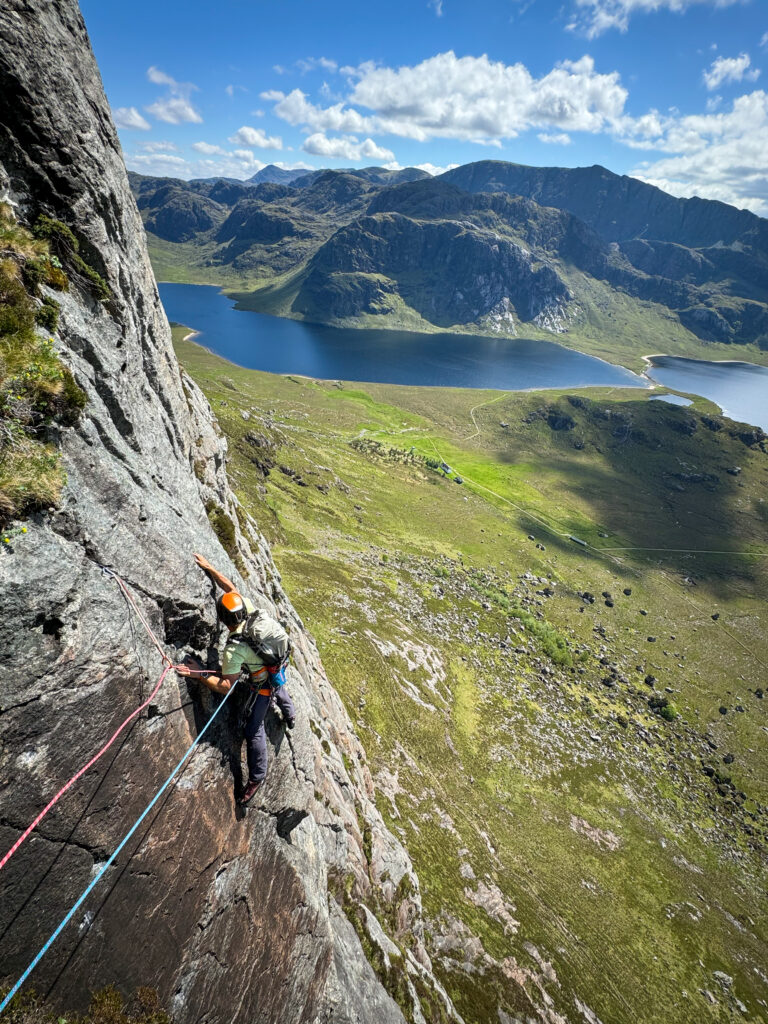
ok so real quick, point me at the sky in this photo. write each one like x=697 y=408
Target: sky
x=674 y=92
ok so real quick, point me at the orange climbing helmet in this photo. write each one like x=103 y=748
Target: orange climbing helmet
x=231 y=609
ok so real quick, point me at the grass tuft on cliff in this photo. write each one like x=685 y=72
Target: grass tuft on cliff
x=106 y=1007
x=36 y=390
x=65 y=246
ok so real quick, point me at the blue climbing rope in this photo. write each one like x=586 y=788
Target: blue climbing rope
x=81 y=899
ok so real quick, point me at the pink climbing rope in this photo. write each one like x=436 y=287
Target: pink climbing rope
x=83 y=770
x=168 y=666
x=145 y=624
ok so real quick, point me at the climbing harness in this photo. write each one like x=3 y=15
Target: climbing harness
x=168 y=666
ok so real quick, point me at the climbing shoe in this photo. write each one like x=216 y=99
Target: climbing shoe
x=289 y=722
x=250 y=792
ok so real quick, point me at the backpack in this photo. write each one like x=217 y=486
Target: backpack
x=268 y=640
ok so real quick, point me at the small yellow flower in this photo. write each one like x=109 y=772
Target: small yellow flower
x=23 y=529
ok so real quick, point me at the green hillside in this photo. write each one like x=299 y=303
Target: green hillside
x=569 y=737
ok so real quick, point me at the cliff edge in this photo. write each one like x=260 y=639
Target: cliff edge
x=305 y=909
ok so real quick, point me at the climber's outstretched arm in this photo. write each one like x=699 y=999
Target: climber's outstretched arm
x=220 y=580
x=215 y=682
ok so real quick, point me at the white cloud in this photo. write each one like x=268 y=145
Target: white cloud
x=721 y=155
x=158 y=164
x=176 y=107
x=729 y=69
x=158 y=147
x=593 y=17
x=239 y=164
x=437 y=6
x=433 y=169
x=556 y=139
x=468 y=98
x=296 y=109
x=315 y=63
x=346 y=148
x=208 y=149
x=159 y=77
x=167 y=158
x=129 y=118
x=764 y=39
x=174 y=110
x=247 y=136
x=474 y=98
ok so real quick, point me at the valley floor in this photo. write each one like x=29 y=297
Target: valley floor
x=558 y=668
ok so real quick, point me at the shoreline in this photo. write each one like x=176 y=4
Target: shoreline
x=693 y=359
x=643 y=388
x=646 y=383
x=648 y=360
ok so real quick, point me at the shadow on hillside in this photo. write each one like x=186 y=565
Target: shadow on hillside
x=661 y=493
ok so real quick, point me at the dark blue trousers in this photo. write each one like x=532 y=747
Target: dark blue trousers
x=255 y=735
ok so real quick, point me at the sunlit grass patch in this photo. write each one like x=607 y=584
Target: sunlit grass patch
x=36 y=389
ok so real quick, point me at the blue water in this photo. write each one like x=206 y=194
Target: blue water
x=740 y=389
x=277 y=345
x=672 y=399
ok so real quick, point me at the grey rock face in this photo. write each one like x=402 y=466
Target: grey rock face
x=483 y=268
x=229 y=917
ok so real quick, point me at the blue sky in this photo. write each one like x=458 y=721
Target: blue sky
x=672 y=91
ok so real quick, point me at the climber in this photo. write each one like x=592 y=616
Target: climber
x=240 y=658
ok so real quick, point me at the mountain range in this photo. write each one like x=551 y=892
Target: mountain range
x=489 y=246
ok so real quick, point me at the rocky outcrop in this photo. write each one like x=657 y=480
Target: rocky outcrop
x=705 y=261
x=251 y=918
x=183 y=215
x=448 y=271
x=250 y=222
x=616 y=206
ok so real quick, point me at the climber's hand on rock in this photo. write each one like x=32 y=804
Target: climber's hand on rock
x=204 y=564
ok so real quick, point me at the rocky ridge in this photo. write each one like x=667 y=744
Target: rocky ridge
x=351 y=246
x=307 y=909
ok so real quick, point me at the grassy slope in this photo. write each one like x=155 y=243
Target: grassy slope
x=624 y=876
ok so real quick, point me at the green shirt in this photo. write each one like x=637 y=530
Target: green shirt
x=239 y=653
